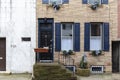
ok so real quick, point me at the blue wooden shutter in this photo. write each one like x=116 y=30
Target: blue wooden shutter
x=87 y=37
x=65 y=1
x=39 y=35
x=45 y=1
x=106 y=36
x=84 y=1
x=57 y=36
x=104 y=1
x=76 y=37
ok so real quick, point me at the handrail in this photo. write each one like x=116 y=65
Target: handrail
x=66 y=60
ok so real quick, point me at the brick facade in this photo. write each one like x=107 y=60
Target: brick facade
x=75 y=11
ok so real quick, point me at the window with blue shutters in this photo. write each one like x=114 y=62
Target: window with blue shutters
x=59 y=1
x=96 y=36
x=67 y=36
x=92 y=1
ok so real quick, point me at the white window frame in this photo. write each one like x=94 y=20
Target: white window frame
x=63 y=36
x=55 y=0
x=101 y=35
x=94 y=0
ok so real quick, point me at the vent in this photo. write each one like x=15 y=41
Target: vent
x=71 y=68
x=26 y=39
x=97 y=69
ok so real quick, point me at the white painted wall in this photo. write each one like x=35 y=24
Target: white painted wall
x=18 y=19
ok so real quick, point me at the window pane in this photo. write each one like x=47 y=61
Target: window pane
x=93 y=1
x=67 y=43
x=57 y=1
x=95 y=43
x=67 y=29
x=95 y=30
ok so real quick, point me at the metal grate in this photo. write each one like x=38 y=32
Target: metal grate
x=97 y=69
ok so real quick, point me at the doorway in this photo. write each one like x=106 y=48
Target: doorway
x=116 y=56
x=45 y=38
x=2 y=54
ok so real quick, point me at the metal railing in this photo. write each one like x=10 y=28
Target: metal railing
x=66 y=60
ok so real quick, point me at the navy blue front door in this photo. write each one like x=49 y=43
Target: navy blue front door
x=45 y=37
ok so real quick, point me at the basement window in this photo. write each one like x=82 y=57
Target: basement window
x=97 y=69
x=26 y=39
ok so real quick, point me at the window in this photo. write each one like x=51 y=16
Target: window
x=96 y=36
x=56 y=1
x=94 y=1
x=59 y=1
x=67 y=36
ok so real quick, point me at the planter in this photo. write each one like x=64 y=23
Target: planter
x=83 y=72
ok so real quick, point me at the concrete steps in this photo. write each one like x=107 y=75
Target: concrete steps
x=51 y=71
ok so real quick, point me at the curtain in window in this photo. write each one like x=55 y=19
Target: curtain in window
x=95 y=44
x=67 y=43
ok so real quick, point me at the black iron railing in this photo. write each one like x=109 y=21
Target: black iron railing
x=66 y=60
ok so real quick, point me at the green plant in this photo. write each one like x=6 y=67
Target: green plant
x=96 y=53
x=83 y=63
x=65 y=52
x=70 y=52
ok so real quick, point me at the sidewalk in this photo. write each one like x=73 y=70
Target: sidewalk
x=101 y=77
x=15 y=77
x=91 y=77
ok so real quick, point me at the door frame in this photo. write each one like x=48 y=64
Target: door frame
x=116 y=49
x=46 y=20
x=5 y=53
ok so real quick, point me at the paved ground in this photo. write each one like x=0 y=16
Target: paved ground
x=15 y=77
x=102 y=77
x=92 y=77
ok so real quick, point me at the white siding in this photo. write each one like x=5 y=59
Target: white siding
x=17 y=20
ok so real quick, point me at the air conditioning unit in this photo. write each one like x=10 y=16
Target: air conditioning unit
x=97 y=69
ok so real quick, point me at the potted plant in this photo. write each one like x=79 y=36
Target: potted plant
x=83 y=69
x=70 y=52
x=96 y=52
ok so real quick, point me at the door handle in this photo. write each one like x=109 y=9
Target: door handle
x=1 y=58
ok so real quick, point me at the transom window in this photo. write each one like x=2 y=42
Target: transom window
x=67 y=36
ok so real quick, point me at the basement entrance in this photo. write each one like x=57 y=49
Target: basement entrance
x=45 y=38
x=116 y=56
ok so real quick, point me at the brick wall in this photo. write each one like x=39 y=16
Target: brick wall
x=75 y=11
